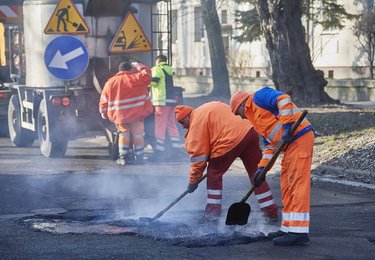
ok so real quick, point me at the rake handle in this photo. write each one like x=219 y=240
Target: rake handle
x=161 y=213
x=274 y=157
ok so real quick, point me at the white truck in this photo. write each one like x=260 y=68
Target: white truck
x=49 y=107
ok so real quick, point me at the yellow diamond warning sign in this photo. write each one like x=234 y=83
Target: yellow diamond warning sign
x=66 y=20
x=130 y=37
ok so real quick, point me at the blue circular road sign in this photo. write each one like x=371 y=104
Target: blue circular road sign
x=66 y=57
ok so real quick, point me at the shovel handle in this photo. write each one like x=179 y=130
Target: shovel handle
x=161 y=213
x=276 y=154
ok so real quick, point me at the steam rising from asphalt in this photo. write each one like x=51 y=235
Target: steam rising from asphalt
x=128 y=193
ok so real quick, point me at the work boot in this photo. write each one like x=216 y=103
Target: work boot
x=213 y=210
x=291 y=239
x=273 y=235
x=129 y=158
x=121 y=160
x=271 y=213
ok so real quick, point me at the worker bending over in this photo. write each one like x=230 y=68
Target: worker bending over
x=217 y=137
x=273 y=113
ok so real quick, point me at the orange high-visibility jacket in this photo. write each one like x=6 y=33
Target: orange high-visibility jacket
x=125 y=96
x=272 y=111
x=214 y=130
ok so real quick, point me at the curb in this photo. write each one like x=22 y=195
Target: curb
x=342 y=170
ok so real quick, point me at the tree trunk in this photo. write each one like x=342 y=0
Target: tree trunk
x=217 y=53
x=293 y=72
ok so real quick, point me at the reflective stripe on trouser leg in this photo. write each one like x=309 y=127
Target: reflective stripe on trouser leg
x=137 y=128
x=213 y=206
x=295 y=184
x=175 y=141
x=265 y=199
x=123 y=139
x=160 y=146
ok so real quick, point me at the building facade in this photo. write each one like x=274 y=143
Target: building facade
x=336 y=52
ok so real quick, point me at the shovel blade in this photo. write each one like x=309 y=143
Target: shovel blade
x=238 y=214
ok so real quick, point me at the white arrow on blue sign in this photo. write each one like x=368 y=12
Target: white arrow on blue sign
x=66 y=57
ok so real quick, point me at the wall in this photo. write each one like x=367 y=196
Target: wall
x=344 y=90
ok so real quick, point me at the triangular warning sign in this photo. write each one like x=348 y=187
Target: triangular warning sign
x=66 y=20
x=130 y=37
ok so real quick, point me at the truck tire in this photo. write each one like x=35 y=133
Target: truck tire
x=19 y=136
x=49 y=147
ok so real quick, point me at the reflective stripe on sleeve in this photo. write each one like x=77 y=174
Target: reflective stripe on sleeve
x=267 y=156
x=274 y=131
x=285 y=112
x=199 y=158
x=283 y=102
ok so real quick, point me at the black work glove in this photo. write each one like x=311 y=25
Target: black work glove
x=258 y=181
x=287 y=136
x=192 y=187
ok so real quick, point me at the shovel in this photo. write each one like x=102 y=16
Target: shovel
x=238 y=213
x=161 y=213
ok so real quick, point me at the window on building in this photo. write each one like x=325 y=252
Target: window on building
x=198 y=24
x=257 y=74
x=174 y=26
x=330 y=74
x=224 y=16
x=226 y=43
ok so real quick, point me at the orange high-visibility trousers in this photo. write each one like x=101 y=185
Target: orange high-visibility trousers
x=295 y=184
x=135 y=130
x=165 y=121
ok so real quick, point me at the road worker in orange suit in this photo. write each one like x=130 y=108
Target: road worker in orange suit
x=216 y=137
x=272 y=113
x=125 y=102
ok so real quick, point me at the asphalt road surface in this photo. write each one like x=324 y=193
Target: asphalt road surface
x=84 y=206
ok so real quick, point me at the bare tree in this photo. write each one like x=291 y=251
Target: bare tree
x=293 y=71
x=217 y=53
x=364 y=30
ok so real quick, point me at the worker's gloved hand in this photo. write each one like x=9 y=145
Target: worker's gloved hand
x=192 y=187
x=137 y=65
x=287 y=136
x=258 y=181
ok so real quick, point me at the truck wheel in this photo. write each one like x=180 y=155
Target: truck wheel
x=49 y=147
x=19 y=136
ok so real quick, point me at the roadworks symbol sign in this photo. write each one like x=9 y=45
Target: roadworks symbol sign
x=130 y=37
x=66 y=20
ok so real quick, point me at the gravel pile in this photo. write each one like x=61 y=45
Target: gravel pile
x=345 y=144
